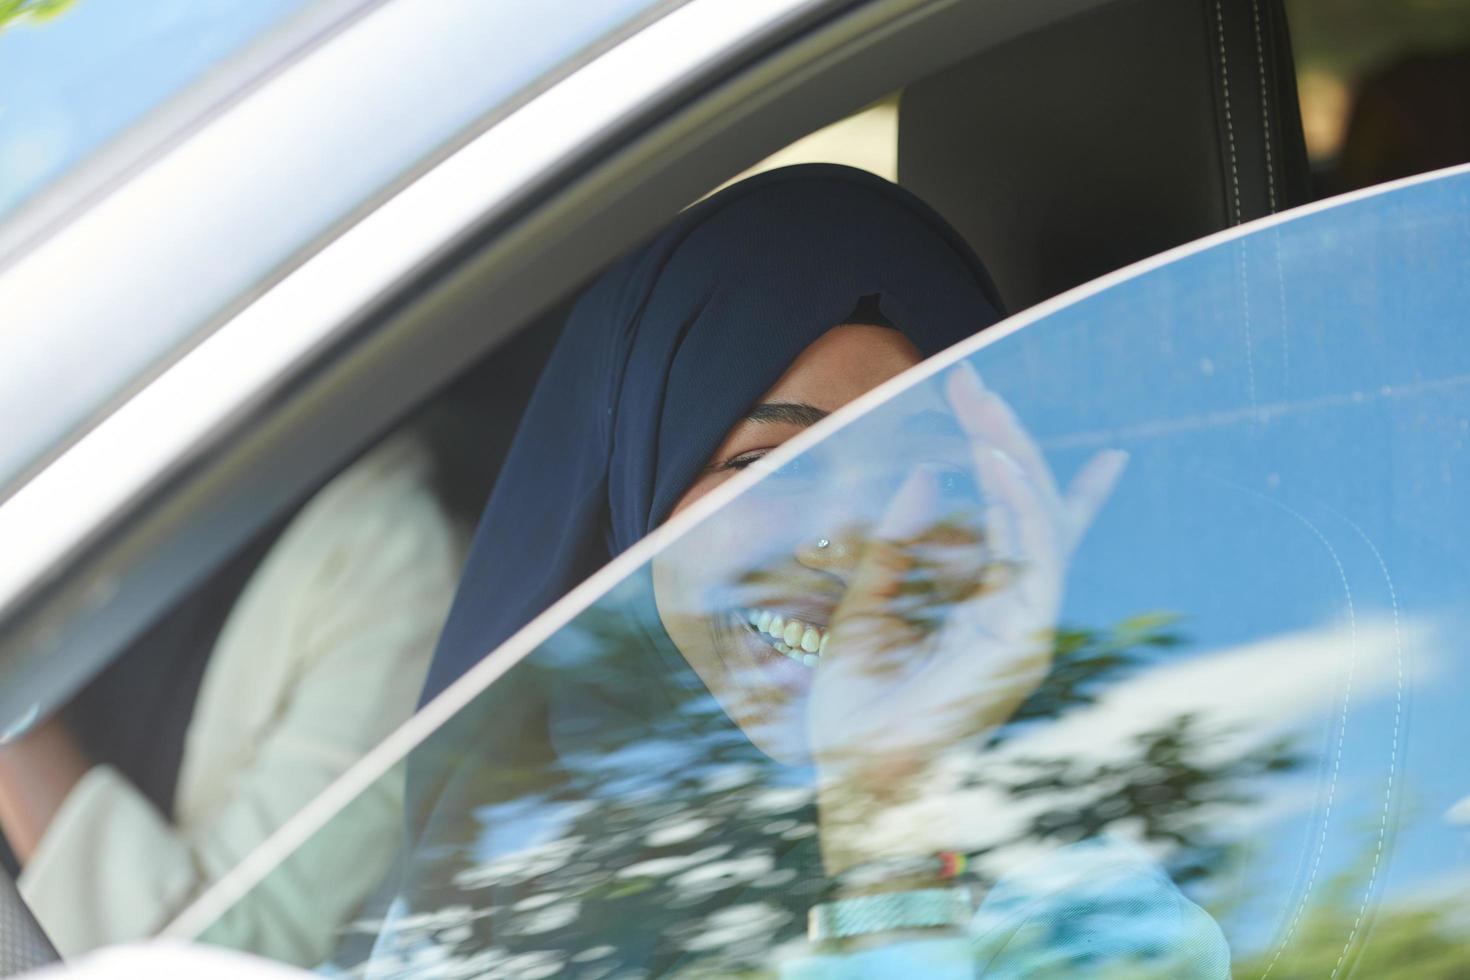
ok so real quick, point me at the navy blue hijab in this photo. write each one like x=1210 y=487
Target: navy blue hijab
x=669 y=348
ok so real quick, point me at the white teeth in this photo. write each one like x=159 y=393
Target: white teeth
x=793 y=638
x=822 y=647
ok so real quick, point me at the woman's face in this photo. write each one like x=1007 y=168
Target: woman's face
x=747 y=596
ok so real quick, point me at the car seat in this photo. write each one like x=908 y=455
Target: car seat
x=1109 y=136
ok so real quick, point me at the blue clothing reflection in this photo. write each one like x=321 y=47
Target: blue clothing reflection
x=1098 y=908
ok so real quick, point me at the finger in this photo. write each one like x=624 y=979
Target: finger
x=1001 y=549
x=1090 y=489
x=1035 y=530
x=1000 y=530
x=986 y=417
x=911 y=511
x=886 y=557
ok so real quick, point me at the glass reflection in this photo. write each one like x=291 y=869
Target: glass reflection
x=762 y=724
x=1230 y=745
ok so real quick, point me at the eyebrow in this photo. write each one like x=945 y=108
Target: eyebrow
x=786 y=413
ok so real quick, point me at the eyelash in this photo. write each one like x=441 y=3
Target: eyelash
x=742 y=461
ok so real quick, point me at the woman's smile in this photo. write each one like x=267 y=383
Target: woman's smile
x=801 y=640
x=771 y=679
x=782 y=626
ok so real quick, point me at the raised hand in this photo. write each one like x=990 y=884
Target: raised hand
x=945 y=627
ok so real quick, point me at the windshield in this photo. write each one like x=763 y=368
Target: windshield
x=76 y=73
x=1196 y=759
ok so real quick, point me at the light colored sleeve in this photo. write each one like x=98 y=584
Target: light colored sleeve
x=323 y=655
x=161 y=960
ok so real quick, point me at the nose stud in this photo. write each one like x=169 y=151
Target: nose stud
x=823 y=544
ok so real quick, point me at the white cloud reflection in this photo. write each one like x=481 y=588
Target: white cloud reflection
x=1261 y=689
x=1244 y=697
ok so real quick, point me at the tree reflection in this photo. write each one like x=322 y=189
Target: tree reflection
x=1424 y=937
x=1085 y=661
x=632 y=824
x=1170 y=788
x=19 y=11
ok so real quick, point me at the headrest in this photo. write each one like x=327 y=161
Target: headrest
x=1108 y=137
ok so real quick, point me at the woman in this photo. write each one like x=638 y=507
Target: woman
x=850 y=629
x=315 y=660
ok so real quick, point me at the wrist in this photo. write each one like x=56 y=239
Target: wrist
x=914 y=872
x=37 y=773
x=852 y=831
x=879 y=884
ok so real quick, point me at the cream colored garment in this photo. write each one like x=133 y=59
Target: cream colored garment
x=323 y=655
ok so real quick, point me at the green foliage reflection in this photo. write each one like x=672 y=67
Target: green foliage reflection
x=14 y=12
x=650 y=807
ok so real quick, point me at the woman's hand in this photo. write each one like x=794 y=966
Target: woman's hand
x=944 y=628
x=37 y=772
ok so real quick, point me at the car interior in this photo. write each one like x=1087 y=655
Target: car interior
x=1165 y=121
x=1177 y=166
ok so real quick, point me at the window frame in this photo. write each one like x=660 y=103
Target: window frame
x=137 y=146
x=160 y=281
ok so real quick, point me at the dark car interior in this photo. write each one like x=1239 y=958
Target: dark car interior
x=1165 y=121
x=1189 y=120
x=1152 y=127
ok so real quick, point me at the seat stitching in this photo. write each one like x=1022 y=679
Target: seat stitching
x=1265 y=106
x=1229 y=125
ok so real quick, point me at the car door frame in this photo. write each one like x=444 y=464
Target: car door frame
x=243 y=424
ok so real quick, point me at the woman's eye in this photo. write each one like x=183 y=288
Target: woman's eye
x=793 y=474
x=742 y=461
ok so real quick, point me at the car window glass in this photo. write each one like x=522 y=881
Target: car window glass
x=75 y=73
x=1239 y=749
